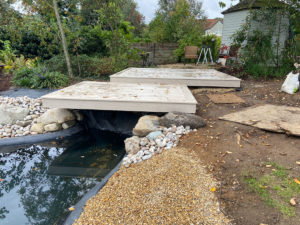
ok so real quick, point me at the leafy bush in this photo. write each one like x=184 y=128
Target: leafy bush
x=39 y=78
x=259 y=57
x=262 y=52
x=24 y=77
x=86 y=66
x=34 y=38
x=11 y=61
x=51 y=80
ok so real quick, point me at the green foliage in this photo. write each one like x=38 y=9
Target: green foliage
x=11 y=61
x=34 y=38
x=38 y=78
x=85 y=66
x=157 y=30
x=177 y=20
x=88 y=40
x=24 y=77
x=262 y=53
x=51 y=80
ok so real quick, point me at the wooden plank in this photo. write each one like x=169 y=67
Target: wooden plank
x=123 y=97
x=189 y=77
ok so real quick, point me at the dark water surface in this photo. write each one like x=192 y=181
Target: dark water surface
x=38 y=184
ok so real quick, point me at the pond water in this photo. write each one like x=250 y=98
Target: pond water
x=39 y=183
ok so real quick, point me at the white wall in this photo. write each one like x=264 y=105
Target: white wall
x=217 y=29
x=281 y=31
x=231 y=23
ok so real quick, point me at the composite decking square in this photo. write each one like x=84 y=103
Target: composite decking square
x=189 y=77
x=138 y=97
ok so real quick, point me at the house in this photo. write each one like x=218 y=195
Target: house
x=235 y=17
x=213 y=26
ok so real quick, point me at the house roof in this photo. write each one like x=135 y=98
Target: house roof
x=209 y=23
x=252 y=4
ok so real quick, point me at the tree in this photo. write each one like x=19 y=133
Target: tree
x=63 y=39
x=166 y=7
x=45 y=8
x=177 y=19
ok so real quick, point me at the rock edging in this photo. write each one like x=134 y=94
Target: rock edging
x=152 y=137
x=22 y=116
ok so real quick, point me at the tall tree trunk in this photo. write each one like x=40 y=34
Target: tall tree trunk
x=63 y=39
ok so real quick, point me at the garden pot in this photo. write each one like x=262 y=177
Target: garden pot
x=5 y=82
x=222 y=61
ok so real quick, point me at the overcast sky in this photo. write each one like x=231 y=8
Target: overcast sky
x=211 y=7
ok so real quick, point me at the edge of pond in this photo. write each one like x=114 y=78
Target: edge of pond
x=33 y=139
x=79 y=207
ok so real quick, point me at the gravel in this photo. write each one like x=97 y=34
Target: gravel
x=21 y=128
x=170 y=188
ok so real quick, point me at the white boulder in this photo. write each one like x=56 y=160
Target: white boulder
x=10 y=114
x=56 y=116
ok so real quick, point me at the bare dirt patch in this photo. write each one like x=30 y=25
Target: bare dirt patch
x=232 y=151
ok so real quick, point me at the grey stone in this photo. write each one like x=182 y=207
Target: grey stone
x=78 y=115
x=38 y=128
x=52 y=127
x=146 y=125
x=154 y=135
x=132 y=145
x=24 y=123
x=28 y=117
x=10 y=114
x=182 y=119
x=26 y=133
x=68 y=124
x=146 y=157
x=56 y=116
x=144 y=142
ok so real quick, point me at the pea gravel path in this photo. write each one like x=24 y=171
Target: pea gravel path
x=170 y=188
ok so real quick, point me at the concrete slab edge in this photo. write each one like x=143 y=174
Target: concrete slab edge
x=74 y=215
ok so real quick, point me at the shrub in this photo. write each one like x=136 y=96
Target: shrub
x=86 y=66
x=24 y=77
x=51 y=80
x=39 y=78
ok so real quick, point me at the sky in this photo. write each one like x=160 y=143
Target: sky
x=211 y=7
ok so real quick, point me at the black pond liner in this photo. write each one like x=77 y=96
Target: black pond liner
x=74 y=215
x=10 y=144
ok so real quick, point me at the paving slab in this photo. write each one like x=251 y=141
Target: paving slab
x=136 y=97
x=189 y=77
x=281 y=119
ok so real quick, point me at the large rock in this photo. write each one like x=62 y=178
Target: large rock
x=153 y=135
x=132 y=145
x=182 y=119
x=53 y=127
x=146 y=125
x=56 y=116
x=38 y=128
x=68 y=124
x=10 y=114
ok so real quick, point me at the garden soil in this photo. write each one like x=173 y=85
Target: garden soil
x=230 y=150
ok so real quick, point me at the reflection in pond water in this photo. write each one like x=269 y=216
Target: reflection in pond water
x=39 y=184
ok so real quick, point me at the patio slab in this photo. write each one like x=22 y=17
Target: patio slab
x=189 y=77
x=134 y=97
